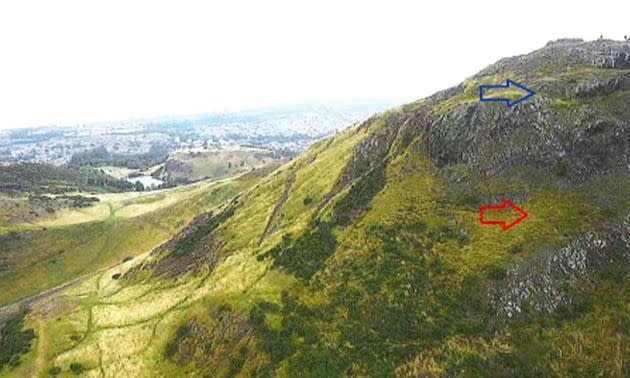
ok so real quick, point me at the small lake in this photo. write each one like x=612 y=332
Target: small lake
x=147 y=181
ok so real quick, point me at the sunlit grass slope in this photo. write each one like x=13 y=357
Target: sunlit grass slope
x=51 y=252
x=115 y=327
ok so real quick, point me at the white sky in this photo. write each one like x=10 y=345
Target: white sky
x=67 y=62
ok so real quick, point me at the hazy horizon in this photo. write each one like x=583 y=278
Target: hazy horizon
x=219 y=112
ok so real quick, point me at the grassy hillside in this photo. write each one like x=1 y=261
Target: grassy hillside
x=365 y=257
x=215 y=162
x=52 y=251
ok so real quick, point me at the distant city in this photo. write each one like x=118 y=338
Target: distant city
x=289 y=130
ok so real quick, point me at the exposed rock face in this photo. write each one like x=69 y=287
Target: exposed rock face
x=558 y=55
x=579 y=117
x=373 y=150
x=617 y=57
x=578 y=121
x=542 y=283
x=602 y=87
x=490 y=139
x=197 y=246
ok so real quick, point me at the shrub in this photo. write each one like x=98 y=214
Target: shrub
x=14 y=341
x=308 y=253
x=77 y=368
x=55 y=370
x=180 y=335
x=561 y=169
x=515 y=249
x=497 y=273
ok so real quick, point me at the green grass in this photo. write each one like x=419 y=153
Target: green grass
x=470 y=92
x=561 y=105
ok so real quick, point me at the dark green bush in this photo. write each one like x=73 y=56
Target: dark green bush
x=14 y=341
x=308 y=253
x=55 y=370
x=561 y=169
x=180 y=335
x=497 y=273
x=77 y=368
x=515 y=249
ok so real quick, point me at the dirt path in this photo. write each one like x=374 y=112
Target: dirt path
x=8 y=311
x=271 y=223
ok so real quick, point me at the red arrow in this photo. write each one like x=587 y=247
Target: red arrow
x=504 y=225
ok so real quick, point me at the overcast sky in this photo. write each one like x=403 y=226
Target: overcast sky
x=68 y=62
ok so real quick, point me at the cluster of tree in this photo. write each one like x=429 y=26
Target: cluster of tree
x=46 y=178
x=14 y=341
x=39 y=204
x=100 y=156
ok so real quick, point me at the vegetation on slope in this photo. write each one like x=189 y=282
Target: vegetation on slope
x=187 y=243
x=100 y=156
x=45 y=178
x=14 y=341
x=307 y=254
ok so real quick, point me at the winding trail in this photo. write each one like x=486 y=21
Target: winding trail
x=10 y=310
x=271 y=226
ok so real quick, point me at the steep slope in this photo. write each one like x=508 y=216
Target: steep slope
x=365 y=256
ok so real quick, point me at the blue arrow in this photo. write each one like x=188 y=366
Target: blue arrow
x=526 y=93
